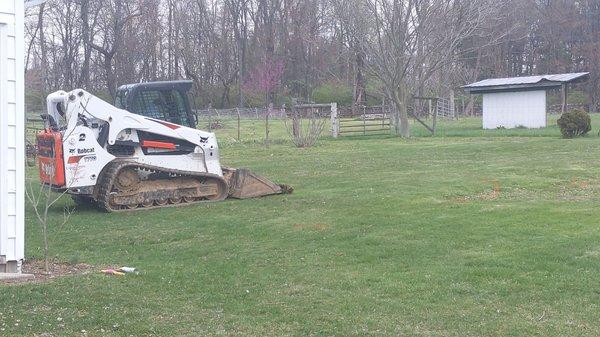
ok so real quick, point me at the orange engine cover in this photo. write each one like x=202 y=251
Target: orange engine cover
x=50 y=158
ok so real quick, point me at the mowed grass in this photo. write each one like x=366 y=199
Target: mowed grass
x=470 y=233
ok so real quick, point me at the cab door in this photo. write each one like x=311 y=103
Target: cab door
x=168 y=105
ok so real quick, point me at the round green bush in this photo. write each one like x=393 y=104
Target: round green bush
x=574 y=123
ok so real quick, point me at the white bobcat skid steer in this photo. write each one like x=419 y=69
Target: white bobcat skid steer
x=119 y=160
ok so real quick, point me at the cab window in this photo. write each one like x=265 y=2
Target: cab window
x=121 y=99
x=166 y=105
x=176 y=109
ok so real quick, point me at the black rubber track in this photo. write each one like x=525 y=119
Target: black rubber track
x=108 y=176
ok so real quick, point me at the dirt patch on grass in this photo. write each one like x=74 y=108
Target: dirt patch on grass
x=489 y=194
x=578 y=190
x=568 y=190
x=483 y=196
x=320 y=227
x=57 y=269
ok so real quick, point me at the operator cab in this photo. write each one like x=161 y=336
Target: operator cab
x=165 y=100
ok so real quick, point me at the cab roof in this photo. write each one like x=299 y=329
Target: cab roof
x=180 y=85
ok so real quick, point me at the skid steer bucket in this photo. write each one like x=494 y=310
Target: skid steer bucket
x=243 y=184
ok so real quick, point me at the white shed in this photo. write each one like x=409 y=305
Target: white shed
x=12 y=121
x=520 y=101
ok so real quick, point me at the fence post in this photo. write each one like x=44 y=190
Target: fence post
x=364 y=116
x=430 y=108
x=335 y=125
x=435 y=114
x=452 y=104
x=210 y=117
x=384 y=118
x=283 y=115
x=267 y=124
x=295 y=122
x=238 y=124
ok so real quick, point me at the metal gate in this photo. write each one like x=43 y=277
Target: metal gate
x=364 y=121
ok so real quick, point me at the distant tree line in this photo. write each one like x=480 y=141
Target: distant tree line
x=256 y=52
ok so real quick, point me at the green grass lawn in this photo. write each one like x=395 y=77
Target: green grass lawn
x=253 y=130
x=469 y=233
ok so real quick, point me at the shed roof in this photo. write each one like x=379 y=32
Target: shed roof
x=539 y=82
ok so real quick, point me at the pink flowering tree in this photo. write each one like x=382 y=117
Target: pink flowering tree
x=264 y=79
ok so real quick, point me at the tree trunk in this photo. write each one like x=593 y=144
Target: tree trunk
x=470 y=109
x=564 y=97
x=44 y=60
x=169 y=41
x=401 y=122
x=87 y=51
x=359 y=82
x=241 y=37
x=111 y=82
x=225 y=103
x=46 y=249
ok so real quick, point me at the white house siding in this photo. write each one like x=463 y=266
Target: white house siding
x=514 y=109
x=12 y=120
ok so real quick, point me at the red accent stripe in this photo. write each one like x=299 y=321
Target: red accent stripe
x=158 y=145
x=74 y=159
x=167 y=124
x=170 y=125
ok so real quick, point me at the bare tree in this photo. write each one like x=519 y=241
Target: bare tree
x=399 y=48
x=264 y=79
x=407 y=41
x=305 y=126
x=42 y=200
x=238 y=10
x=42 y=44
x=116 y=15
